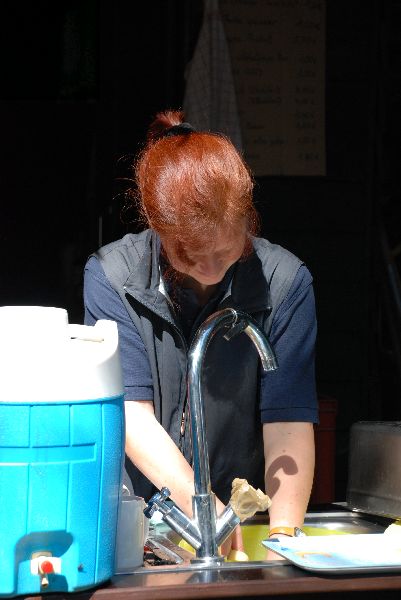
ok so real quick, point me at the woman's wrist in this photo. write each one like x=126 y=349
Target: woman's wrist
x=285 y=531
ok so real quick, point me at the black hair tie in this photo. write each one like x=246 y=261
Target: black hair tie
x=181 y=129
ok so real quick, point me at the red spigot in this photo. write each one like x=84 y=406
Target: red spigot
x=46 y=567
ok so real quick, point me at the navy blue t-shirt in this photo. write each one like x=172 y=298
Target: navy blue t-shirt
x=287 y=394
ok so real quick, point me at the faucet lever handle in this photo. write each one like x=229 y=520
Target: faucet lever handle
x=156 y=500
x=164 y=494
x=235 y=329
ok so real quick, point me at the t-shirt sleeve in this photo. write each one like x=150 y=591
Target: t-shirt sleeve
x=289 y=393
x=101 y=301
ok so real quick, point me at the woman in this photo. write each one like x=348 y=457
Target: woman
x=199 y=254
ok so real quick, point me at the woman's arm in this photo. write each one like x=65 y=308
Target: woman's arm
x=289 y=467
x=155 y=454
x=153 y=451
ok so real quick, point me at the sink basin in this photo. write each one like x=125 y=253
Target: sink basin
x=173 y=553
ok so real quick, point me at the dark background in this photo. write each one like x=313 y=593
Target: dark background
x=81 y=81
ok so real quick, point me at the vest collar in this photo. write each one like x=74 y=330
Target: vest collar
x=143 y=282
x=249 y=290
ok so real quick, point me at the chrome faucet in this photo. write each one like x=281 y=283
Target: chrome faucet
x=205 y=532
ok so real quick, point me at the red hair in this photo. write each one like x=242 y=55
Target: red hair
x=192 y=185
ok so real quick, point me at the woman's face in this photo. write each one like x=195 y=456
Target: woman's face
x=210 y=264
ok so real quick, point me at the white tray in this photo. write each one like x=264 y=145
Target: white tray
x=373 y=552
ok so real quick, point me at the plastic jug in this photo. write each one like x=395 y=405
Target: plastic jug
x=132 y=531
x=61 y=451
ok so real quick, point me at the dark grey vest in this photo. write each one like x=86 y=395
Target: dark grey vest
x=231 y=371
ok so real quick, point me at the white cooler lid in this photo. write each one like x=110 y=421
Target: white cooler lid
x=43 y=358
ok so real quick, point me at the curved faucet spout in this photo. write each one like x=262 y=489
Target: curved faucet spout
x=238 y=322
x=267 y=356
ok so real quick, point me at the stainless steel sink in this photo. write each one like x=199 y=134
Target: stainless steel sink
x=165 y=554
x=345 y=522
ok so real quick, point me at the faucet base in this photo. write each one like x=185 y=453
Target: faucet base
x=209 y=560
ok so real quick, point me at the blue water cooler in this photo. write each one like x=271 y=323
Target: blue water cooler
x=61 y=451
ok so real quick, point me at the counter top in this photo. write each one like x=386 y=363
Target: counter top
x=274 y=579
x=271 y=581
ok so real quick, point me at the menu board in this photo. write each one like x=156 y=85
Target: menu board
x=277 y=52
